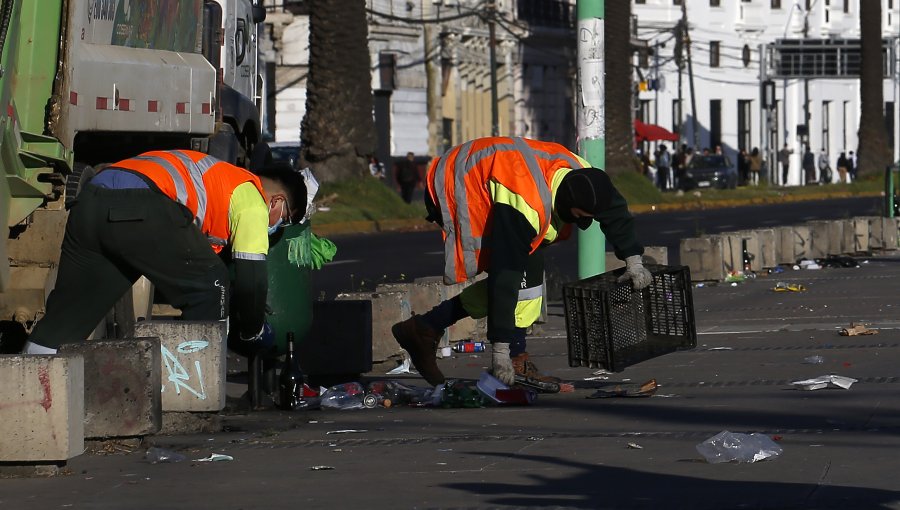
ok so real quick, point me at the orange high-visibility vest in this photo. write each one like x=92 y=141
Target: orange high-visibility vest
x=198 y=181
x=458 y=181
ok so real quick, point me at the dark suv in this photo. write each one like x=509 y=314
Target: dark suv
x=709 y=172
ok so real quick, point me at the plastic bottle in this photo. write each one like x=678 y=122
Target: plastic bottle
x=344 y=396
x=469 y=347
x=290 y=381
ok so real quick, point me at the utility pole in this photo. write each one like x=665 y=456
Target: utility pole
x=434 y=99
x=495 y=120
x=695 y=128
x=590 y=97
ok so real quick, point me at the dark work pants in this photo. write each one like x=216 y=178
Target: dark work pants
x=406 y=191
x=113 y=236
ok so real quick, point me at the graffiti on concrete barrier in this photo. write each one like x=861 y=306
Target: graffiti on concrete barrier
x=178 y=375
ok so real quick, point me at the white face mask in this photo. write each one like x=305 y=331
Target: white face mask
x=278 y=223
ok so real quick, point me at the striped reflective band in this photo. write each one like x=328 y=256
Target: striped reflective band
x=531 y=293
x=216 y=241
x=462 y=165
x=249 y=256
x=197 y=171
x=180 y=189
x=572 y=162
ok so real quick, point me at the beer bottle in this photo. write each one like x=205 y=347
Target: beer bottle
x=290 y=380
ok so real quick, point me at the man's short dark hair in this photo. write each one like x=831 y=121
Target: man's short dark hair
x=292 y=181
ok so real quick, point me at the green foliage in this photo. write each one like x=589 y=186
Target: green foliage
x=363 y=199
x=636 y=188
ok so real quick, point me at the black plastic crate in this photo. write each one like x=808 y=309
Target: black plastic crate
x=612 y=326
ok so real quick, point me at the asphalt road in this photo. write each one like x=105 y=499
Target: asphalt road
x=365 y=260
x=568 y=451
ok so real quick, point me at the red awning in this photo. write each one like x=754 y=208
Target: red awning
x=652 y=132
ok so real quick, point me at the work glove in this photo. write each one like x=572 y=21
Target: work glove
x=501 y=364
x=636 y=272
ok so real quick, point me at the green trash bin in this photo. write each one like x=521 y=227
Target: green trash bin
x=290 y=288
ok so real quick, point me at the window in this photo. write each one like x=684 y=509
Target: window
x=677 y=119
x=826 y=124
x=846 y=6
x=640 y=2
x=714 y=54
x=745 y=55
x=676 y=2
x=744 y=111
x=644 y=111
x=714 y=3
x=775 y=4
x=844 y=121
x=715 y=123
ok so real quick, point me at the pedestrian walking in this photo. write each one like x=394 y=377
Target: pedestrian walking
x=824 y=167
x=664 y=168
x=784 y=158
x=407 y=176
x=843 y=165
x=743 y=167
x=809 y=166
x=499 y=201
x=852 y=166
x=756 y=164
x=167 y=215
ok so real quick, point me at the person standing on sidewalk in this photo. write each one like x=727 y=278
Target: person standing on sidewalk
x=756 y=164
x=824 y=167
x=784 y=158
x=407 y=176
x=499 y=201
x=809 y=167
x=167 y=215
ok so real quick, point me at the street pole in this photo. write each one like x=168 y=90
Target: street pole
x=687 y=34
x=495 y=115
x=591 y=121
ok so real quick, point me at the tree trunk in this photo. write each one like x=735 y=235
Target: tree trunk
x=338 y=131
x=873 y=153
x=619 y=88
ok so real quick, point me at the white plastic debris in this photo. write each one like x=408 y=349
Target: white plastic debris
x=824 y=381
x=215 y=457
x=736 y=447
x=404 y=368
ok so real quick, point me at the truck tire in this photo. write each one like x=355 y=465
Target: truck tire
x=81 y=175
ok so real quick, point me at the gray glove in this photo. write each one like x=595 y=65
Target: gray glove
x=636 y=272
x=502 y=364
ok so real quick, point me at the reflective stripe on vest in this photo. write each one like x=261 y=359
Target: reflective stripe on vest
x=196 y=171
x=464 y=163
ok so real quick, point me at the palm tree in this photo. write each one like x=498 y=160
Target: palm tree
x=619 y=88
x=338 y=131
x=874 y=153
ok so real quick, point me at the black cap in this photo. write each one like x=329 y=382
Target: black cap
x=588 y=189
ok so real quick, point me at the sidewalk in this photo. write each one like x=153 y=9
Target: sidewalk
x=567 y=451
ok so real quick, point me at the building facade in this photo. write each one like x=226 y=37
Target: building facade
x=431 y=71
x=766 y=74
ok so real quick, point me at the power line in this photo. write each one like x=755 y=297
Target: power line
x=420 y=21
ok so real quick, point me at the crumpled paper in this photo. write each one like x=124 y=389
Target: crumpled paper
x=824 y=381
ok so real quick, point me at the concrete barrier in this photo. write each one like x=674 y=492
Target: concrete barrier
x=193 y=363
x=388 y=308
x=41 y=408
x=841 y=238
x=122 y=395
x=652 y=255
x=820 y=239
x=765 y=240
x=860 y=234
x=792 y=243
x=889 y=234
x=705 y=256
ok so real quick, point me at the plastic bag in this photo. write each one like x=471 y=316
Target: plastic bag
x=729 y=446
x=162 y=456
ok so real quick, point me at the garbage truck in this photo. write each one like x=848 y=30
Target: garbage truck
x=86 y=82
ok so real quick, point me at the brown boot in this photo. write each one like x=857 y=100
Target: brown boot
x=526 y=368
x=420 y=340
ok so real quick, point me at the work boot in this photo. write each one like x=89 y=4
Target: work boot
x=420 y=340
x=526 y=368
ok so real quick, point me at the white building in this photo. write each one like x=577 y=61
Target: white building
x=734 y=49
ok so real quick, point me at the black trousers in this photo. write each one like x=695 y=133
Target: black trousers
x=406 y=191
x=112 y=238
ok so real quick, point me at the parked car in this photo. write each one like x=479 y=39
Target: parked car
x=713 y=171
x=285 y=151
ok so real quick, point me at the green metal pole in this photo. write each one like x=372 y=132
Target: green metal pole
x=591 y=121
